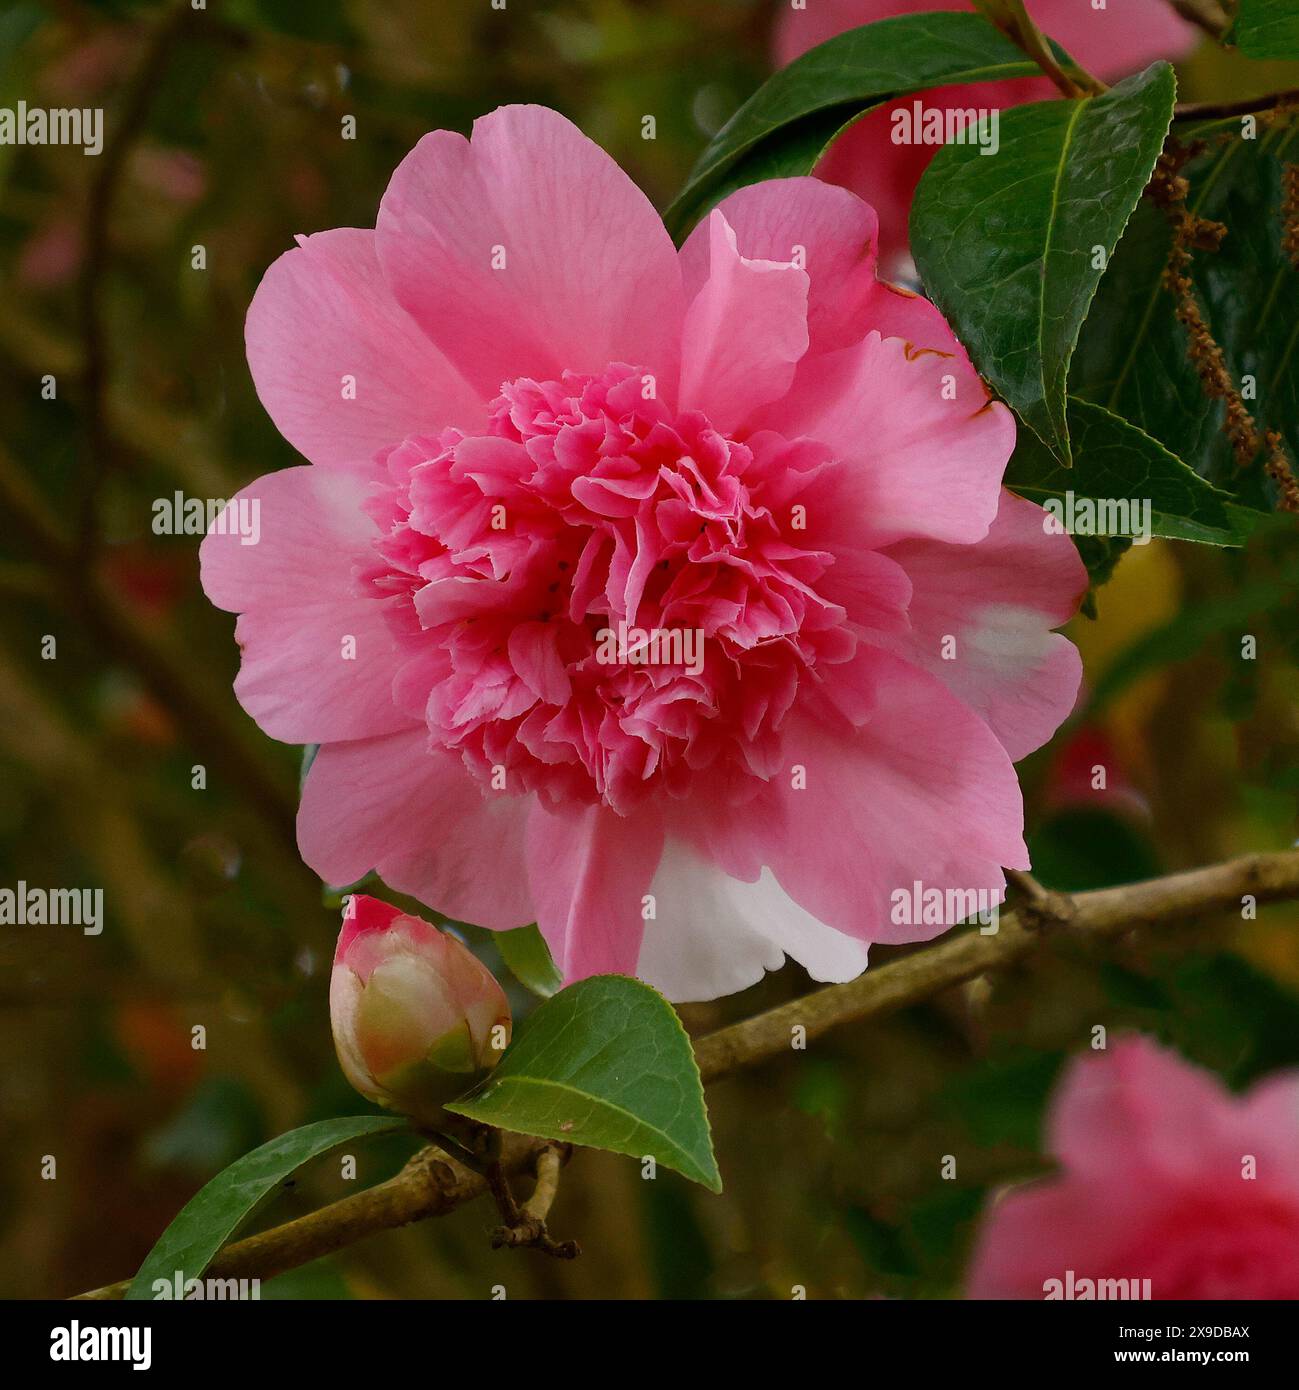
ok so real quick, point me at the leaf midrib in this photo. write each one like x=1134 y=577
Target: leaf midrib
x=1074 y=118
x=592 y=1100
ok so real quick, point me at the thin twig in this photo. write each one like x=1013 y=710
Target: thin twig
x=1245 y=106
x=1205 y=14
x=1017 y=24
x=433 y=1184
x=525 y=1226
x=1038 y=907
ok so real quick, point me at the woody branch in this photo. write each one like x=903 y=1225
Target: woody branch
x=433 y=1184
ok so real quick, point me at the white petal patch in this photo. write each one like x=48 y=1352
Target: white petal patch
x=1010 y=639
x=713 y=935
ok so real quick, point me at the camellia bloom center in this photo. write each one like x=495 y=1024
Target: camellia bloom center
x=589 y=507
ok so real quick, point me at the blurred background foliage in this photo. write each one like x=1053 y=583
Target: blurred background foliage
x=232 y=141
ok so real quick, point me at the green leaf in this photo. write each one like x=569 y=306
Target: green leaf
x=216 y=1211
x=605 y=1063
x=1132 y=355
x=784 y=128
x=525 y=951
x=1267 y=29
x=1116 y=461
x=1007 y=245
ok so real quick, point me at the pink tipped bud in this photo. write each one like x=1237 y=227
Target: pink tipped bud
x=416 y=1017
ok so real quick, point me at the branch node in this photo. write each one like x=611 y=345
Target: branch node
x=525 y=1226
x=1038 y=907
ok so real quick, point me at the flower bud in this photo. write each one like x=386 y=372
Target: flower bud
x=417 y=1018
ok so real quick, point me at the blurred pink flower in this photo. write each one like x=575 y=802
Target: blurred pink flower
x=51 y=256
x=532 y=422
x=1165 y=1176
x=417 y=1018
x=1124 y=37
x=176 y=175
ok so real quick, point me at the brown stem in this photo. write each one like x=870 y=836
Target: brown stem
x=549 y=1163
x=1017 y=24
x=525 y=1226
x=1103 y=913
x=433 y=1184
x=1040 y=907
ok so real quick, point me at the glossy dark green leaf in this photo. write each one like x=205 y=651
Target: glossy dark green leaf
x=605 y=1063
x=1267 y=28
x=216 y=1211
x=1132 y=355
x=1011 y=247
x=786 y=125
x=1115 y=461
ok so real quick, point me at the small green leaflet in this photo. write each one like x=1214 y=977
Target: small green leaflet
x=607 y=1064
x=1012 y=247
x=525 y=951
x=208 y=1220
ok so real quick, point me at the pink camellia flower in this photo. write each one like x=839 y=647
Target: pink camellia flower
x=417 y=1018
x=1165 y=1176
x=669 y=601
x=1121 y=38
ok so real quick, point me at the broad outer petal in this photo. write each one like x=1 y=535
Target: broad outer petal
x=417 y=818
x=744 y=333
x=712 y=934
x=827 y=230
x=528 y=252
x=998 y=600
x=298 y=605
x=590 y=869
x=921 y=448
x=341 y=368
x=920 y=792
